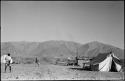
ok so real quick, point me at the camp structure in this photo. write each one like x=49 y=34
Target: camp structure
x=3 y=59
x=82 y=61
x=106 y=62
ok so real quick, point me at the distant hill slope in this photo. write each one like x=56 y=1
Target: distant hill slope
x=57 y=49
x=40 y=49
x=92 y=49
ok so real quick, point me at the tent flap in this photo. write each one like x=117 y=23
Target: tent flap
x=106 y=64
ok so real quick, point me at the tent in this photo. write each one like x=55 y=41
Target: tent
x=3 y=59
x=106 y=62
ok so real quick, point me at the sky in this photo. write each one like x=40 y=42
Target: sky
x=78 y=21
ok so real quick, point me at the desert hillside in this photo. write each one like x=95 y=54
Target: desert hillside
x=92 y=49
x=57 y=49
x=40 y=49
x=24 y=68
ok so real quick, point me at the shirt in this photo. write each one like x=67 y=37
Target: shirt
x=8 y=58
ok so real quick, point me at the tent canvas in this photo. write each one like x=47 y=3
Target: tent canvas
x=106 y=62
x=3 y=59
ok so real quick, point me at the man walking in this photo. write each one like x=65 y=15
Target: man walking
x=37 y=61
x=8 y=61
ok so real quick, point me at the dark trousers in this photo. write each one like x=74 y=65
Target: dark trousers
x=7 y=65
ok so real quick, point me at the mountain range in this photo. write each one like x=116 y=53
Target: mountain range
x=58 y=49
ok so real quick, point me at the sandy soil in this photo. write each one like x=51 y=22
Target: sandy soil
x=55 y=72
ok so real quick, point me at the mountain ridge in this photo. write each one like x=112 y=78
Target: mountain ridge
x=55 y=48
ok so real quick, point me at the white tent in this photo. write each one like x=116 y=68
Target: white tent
x=3 y=59
x=107 y=62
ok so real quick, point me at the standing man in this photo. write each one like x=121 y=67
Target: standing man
x=37 y=61
x=8 y=61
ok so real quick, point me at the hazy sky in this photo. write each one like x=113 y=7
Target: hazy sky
x=79 y=21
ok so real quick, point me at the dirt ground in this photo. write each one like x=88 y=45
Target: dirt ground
x=55 y=72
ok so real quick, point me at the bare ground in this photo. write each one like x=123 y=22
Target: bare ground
x=55 y=72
